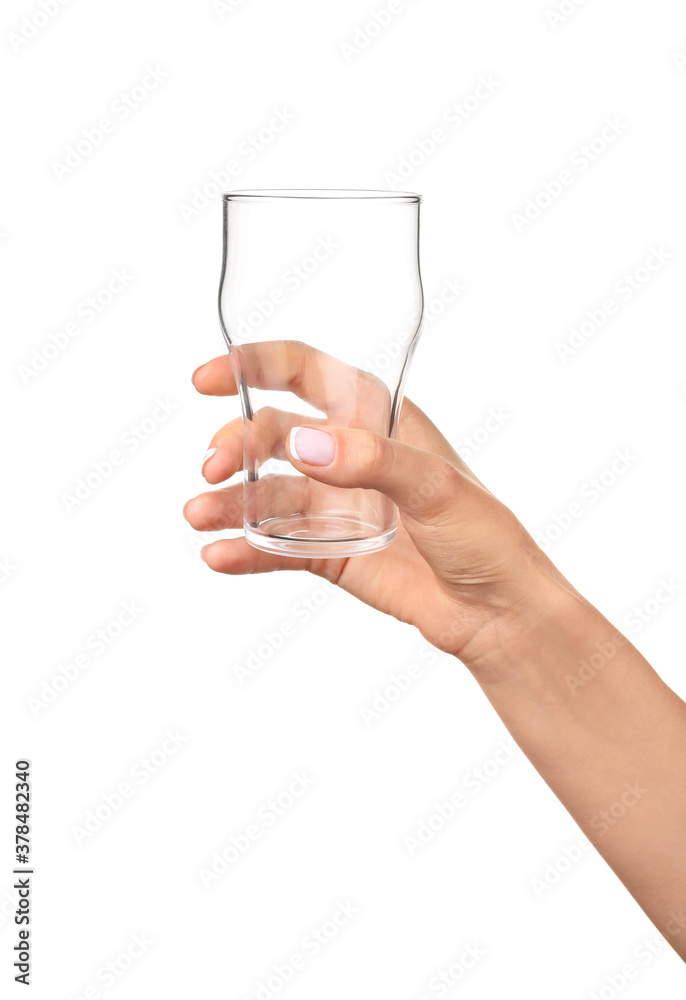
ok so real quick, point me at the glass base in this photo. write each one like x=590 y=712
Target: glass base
x=327 y=537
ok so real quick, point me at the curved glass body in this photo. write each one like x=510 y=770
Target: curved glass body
x=320 y=304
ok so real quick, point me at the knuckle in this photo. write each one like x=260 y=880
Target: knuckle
x=266 y=415
x=373 y=390
x=376 y=455
x=437 y=487
x=298 y=363
x=228 y=431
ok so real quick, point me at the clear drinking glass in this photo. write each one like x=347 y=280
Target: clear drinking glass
x=321 y=305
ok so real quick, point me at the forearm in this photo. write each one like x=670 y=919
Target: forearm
x=606 y=734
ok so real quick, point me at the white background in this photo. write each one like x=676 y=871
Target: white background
x=357 y=112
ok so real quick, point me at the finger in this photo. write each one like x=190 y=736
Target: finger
x=460 y=528
x=216 y=510
x=237 y=557
x=264 y=436
x=224 y=456
x=292 y=366
x=327 y=383
x=270 y=428
x=273 y=496
x=215 y=377
x=421 y=483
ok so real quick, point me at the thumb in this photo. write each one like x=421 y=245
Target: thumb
x=468 y=537
x=421 y=484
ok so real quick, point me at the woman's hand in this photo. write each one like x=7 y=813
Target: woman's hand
x=579 y=699
x=462 y=569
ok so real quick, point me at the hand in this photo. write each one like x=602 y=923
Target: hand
x=465 y=572
x=462 y=569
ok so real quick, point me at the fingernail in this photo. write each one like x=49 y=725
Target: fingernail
x=186 y=506
x=203 y=551
x=312 y=447
x=196 y=372
x=206 y=457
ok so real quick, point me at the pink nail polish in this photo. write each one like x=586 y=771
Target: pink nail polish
x=312 y=447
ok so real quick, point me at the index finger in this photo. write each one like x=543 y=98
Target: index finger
x=215 y=377
x=326 y=382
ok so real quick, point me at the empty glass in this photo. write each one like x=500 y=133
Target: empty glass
x=321 y=307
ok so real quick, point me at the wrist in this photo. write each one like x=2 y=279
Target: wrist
x=540 y=637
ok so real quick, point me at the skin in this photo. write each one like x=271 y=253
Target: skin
x=593 y=717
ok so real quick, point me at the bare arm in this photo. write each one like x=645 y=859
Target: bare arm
x=606 y=734
x=593 y=717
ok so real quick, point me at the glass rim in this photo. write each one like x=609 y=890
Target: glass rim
x=333 y=194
